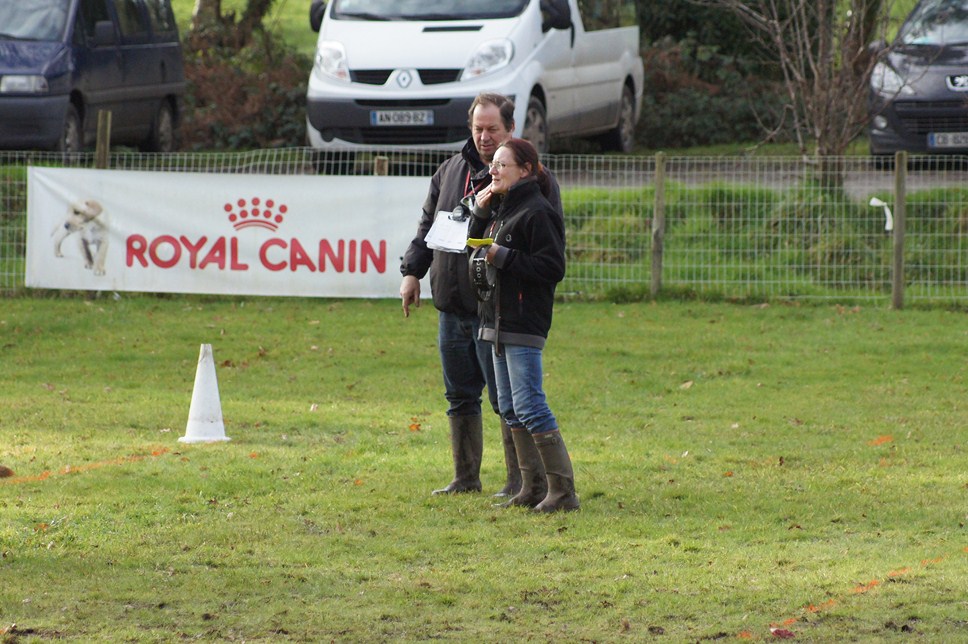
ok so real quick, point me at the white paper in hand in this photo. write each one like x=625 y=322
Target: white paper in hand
x=448 y=234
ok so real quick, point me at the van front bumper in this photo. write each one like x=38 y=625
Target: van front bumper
x=31 y=122
x=349 y=122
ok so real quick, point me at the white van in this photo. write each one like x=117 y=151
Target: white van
x=403 y=73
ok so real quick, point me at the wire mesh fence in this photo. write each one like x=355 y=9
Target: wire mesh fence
x=755 y=228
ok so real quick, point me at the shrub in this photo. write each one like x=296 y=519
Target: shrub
x=240 y=99
x=695 y=95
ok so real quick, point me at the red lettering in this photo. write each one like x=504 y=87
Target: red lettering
x=137 y=245
x=341 y=256
x=236 y=264
x=369 y=253
x=216 y=255
x=193 y=249
x=326 y=250
x=299 y=257
x=264 y=254
x=175 y=251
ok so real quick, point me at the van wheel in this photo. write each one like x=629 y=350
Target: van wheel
x=536 y=125
x=71 y=140
x=622 y=138
x=162 y=136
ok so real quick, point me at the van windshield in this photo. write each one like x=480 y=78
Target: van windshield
x=35 y=20
x=426 y=9
x=941 y=22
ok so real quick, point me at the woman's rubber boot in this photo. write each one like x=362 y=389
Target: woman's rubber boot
x=561 y=477
x=467 y=445
x=534 y=485
x=513 y=484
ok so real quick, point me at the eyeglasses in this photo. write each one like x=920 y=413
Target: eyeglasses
x=499 y=165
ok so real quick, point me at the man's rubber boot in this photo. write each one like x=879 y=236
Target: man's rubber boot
x=467 y=446
x=534 y=486
x=513 y=484
x=561 y=477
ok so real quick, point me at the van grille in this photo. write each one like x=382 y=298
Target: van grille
x=937 y=116
x=401 y=135
x=402 y=103
x=381 y=76
x=370 y=76
x=438 y=76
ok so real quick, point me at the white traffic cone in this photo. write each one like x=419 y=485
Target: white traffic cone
x=205 y=414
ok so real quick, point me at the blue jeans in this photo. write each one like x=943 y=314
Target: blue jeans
x=520 y=396
x=466 y=362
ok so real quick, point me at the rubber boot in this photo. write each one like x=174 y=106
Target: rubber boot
x=513 y=484
x=467 y=446
x=534 y=485
x=561 y=477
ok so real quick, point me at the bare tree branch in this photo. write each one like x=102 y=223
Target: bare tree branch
x=821 y=48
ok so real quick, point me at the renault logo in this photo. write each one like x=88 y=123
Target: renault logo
x=404 y=79
x=958 y=83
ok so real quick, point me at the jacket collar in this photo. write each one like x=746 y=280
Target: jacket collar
x=520 y=191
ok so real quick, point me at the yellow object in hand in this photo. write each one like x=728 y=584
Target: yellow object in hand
x=477 y=243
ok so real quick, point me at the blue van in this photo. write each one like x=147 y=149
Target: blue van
x=62 y=61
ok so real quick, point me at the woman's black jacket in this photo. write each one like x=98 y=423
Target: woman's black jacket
x=530 y=262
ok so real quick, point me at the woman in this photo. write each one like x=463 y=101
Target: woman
x=528 y=253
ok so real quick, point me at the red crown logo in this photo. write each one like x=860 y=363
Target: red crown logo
x=256 y=214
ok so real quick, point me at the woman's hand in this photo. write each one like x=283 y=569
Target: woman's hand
x=483 y=197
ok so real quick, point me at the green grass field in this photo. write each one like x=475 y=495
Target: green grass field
x=741 y=468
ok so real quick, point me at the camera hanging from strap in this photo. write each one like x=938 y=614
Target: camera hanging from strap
x=483 y=275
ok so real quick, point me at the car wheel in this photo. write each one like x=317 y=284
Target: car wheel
x=622 y=138
x=162 y=136
x=536 y=125
x=72 y=139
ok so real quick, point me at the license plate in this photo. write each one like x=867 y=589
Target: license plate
x=948 y=140
x=401 y=117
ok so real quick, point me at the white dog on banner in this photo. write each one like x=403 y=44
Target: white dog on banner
x=86 y=218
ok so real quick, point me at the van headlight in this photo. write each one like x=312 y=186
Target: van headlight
x=23 y=84
x=330 y=61
x=887 y=82
x=489 y=57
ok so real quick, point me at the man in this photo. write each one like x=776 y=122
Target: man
x=466 y=362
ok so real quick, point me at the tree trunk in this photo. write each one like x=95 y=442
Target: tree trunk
x=206 y=12
x=211 y=28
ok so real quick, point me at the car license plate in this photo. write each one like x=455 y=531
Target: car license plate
x=401 y=117
x=948 y=140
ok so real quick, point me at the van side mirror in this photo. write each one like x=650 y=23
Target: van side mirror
x=316 y=10
x=104 y=34
x=555 y=14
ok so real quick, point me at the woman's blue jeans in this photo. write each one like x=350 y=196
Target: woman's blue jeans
x=519 y=394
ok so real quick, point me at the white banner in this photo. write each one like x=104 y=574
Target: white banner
x=164 y=232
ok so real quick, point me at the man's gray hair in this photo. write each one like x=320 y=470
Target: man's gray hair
x=502 y=102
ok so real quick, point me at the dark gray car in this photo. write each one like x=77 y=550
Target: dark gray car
x=62 y=61
x=919 y=88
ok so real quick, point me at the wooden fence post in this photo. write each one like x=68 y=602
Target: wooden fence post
x=658 y=224
x=381 y=166
x=102 y=152
x=900 y=206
